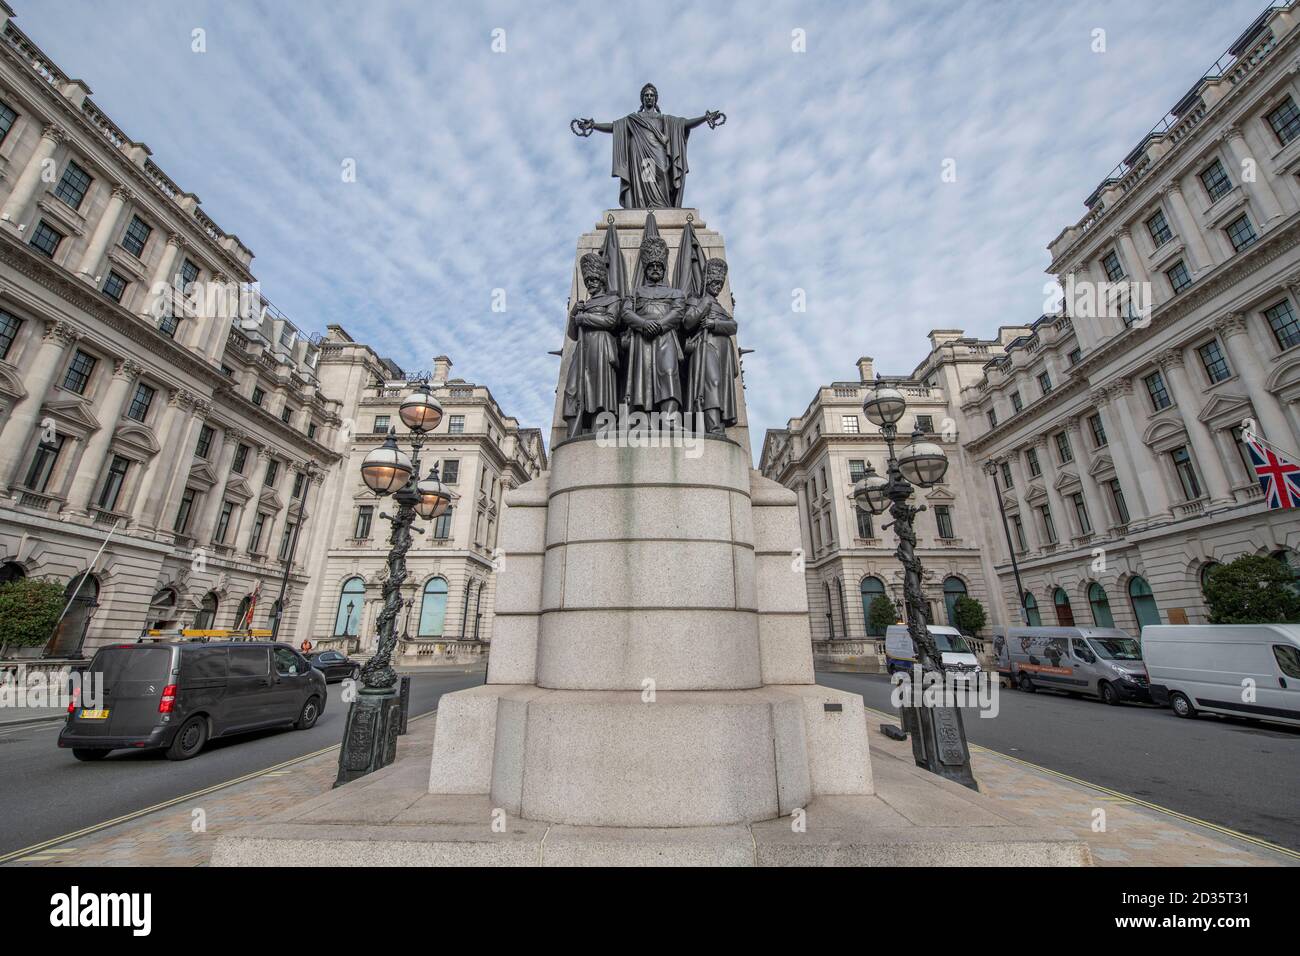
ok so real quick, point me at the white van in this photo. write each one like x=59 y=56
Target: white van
x=1101 y=662
x=958 y=658
x=1240 y=670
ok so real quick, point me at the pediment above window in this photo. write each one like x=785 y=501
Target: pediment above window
x=136 y=438
x=11 y=383
x=1165 y=434
x=939 y=494
x=270 y=499
x=1035 y=492
x=1067 y=478
x=1226 y=408
x=203 y=475
x=71 y=415
x=237 y=488
x=1102 y=465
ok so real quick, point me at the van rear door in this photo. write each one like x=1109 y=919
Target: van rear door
x=134 y=676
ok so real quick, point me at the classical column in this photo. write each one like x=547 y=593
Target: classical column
x=157 y=474
x=163 y=274
x=37 y=379
x=1259 y=189
x=1251 y=367
x=1120 y=456
x=186 y=436
x=1149 y=477
x=29 y=180
x=207 y=525
x=109 y=411
x=103 y=233
x=249 y=514
x=1198 y=252
x=1032 y=539
x=1083 y=461
x=1137 y=266
x=1217 y=485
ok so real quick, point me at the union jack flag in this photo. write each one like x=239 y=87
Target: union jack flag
x=1279 y=477
x=246 y=622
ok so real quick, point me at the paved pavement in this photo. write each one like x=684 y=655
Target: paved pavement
x=47 y=793
x=1233 y=773
x=1134 y=835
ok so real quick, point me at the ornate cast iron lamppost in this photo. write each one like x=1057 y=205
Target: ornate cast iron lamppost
x=938 y=734
x=374 y=717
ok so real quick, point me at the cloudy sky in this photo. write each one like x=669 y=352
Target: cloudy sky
x=826 y=178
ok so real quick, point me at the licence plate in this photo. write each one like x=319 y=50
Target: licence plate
x=94 y=715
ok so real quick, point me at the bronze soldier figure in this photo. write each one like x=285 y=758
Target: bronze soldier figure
x=652 y=316
x=711 y=383
x=591 y=386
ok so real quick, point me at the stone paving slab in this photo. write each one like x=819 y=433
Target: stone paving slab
x=1134 y=835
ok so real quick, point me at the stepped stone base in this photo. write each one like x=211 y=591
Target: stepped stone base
x=390 y=819
x=615 y=759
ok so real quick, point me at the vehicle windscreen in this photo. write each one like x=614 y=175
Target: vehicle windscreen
x=1116 y=648
x=132 y=663
x=952 y=643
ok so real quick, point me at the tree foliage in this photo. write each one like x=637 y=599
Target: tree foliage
x=880 y=614
x=29 y=609
x=969 y=615
x=1252 y=589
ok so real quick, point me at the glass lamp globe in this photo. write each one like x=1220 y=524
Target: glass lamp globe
x=884 y=406
x=434 y=496
x=869 y=492
x=386 y=469
x=922 y=462
x=420 y=411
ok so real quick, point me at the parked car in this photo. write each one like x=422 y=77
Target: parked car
x=176 y=696
x=1237 y=670
x=958 y=658
x=335 y=665
x=1102 y=662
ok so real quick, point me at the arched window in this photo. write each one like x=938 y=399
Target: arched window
x=1143 y=601
x=830 y=611
x=870 y=589
x=83 y=593
x=1064 y=613
x=11 y=571
x=347 y=619
x=433 y=609
x=953 y=588
x=1204 y=573
x=1100 y=605
x=207 y=614
x=1031 y=611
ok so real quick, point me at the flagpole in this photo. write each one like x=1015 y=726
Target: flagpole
x=1256 y=436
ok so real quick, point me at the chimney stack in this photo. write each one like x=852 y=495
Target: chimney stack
x=865 y=372
x=441 y=368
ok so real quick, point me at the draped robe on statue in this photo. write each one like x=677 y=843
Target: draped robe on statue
x=653 y=364
x=650 y=160
x=592 y=383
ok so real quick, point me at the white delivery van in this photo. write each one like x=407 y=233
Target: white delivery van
x=958 y=658
x=1240 y=670
x=1099 y=661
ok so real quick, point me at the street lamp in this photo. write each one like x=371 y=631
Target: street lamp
x=991 y=470
x=938 y=734
x=374 y=717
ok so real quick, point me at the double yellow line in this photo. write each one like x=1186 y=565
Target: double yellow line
x=1117 y=795
x=135 y=814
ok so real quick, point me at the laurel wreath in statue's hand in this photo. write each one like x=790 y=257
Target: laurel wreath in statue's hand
x=715 y=118
x=582 y=127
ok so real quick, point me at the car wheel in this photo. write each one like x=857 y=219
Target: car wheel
x=1026 y=683
x=356 y=672
x=1108 y=694
x=189 y=740
x=310 y=711
x=1181 y=705
x=81 y=753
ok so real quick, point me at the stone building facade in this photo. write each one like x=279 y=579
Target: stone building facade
x=848 y=556
x=1111 y=428
x=173 y=432
x=481 y=453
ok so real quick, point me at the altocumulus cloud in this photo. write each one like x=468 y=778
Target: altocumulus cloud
x=826 y=177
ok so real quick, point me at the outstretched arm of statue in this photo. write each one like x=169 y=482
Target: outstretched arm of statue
x=584 y=127
x=714 y=118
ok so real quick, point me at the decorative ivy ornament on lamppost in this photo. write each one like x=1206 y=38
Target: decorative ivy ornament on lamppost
x=938 y=734
x=374 y=717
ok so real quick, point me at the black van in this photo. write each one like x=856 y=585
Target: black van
x=178 y=695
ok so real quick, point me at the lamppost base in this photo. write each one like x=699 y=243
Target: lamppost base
x=939 y=743
x=370 y=734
